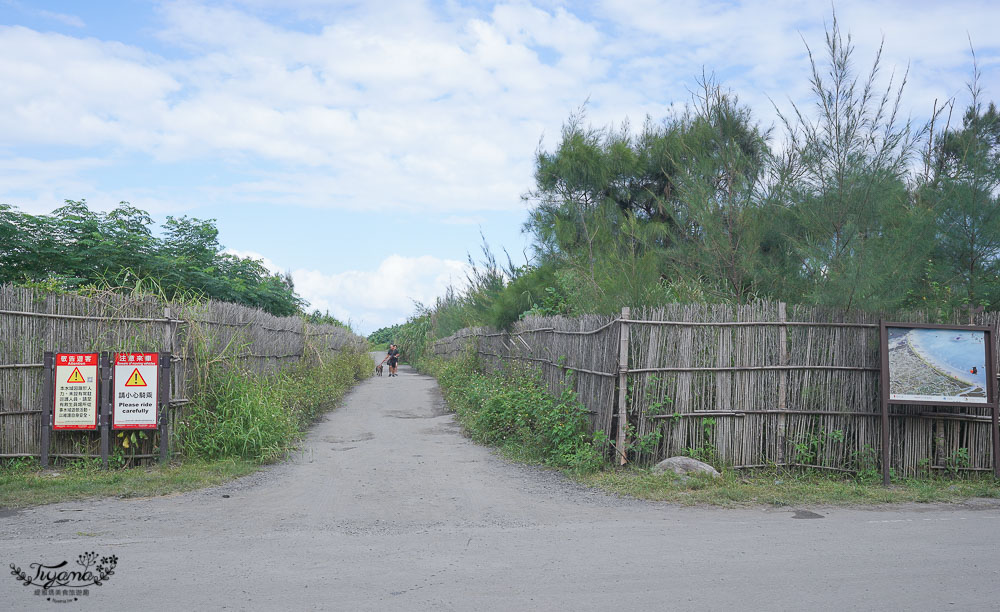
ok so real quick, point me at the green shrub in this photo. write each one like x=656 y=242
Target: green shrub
x=518 y=413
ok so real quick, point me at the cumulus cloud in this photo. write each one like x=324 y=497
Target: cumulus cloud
x=372 y=299
x=428 y=106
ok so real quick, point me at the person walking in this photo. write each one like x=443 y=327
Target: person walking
x=393 y=357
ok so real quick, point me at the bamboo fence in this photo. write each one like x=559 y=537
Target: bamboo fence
x=196 y=334
x=746 y=386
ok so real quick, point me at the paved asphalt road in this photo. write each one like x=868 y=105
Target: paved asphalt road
x=388 y=507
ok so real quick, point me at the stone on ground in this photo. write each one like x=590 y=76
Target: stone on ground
x=683 y=466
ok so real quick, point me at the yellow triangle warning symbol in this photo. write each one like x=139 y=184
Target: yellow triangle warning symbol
x=136 y=379
x=76 y=377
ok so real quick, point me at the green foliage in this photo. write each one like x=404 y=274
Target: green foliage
x=530 y=291
x=707 y=451
x=385 y=335
x=632 y=215
x=957 y=461
x=324 y=318
x=237 y=415
x=515 y=411
x=243 y=415
x=961 y=188
x=866 y=464
x=657 y=405
x=697 y=207
x=412 y=338
x=640 y=449
x=852 y=229
x=124 y=447
x=809 y=448
x=74 y=248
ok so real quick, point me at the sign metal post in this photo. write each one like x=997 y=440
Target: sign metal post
x=164 y=405
x=47 y=390
x=105 y=415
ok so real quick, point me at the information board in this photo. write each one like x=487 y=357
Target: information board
x=938 y=365
x=136 y=391
x=74 y=403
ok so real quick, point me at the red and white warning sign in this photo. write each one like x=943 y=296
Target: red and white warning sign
x=75 y=399
x=136 y=391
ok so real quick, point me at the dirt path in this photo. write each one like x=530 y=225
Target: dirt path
x=388 y=507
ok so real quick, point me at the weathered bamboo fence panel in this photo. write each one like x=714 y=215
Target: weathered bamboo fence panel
x=198 y=335
x=746 y=386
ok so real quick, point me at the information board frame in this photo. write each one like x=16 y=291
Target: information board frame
x=989 y=340
x=63 y=362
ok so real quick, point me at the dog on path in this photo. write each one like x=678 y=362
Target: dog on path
x=378 y=370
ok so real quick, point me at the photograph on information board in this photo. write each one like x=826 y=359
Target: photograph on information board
x=946 y=365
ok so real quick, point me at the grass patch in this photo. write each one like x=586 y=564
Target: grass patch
x=24 y=483
x=785 y=488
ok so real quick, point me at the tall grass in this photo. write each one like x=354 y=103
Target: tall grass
x=240 y=414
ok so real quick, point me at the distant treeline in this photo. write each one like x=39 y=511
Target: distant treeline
x=845 y=204
x=386 y=335
x=76 y=248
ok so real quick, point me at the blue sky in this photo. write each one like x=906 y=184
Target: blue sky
x=364 y=146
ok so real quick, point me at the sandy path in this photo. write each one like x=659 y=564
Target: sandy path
x=387 y=506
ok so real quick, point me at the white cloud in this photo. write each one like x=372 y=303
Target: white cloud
x=397 y=106
x=78 y=92
x=372 y=299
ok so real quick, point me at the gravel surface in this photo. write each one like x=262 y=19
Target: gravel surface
x=387 y=506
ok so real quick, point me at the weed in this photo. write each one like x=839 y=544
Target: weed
x=865 y=463
x=957 y=461
x=18 y=465
x=707 y=452
x=809 y=448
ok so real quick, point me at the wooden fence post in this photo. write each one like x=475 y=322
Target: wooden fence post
x=622 y=385
x=782 y=384
x=163 y=396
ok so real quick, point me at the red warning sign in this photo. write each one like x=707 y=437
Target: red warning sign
x=136 y=394
x=74 y=404
x=136 y=379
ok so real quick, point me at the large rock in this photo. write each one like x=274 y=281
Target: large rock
x=683 y=466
